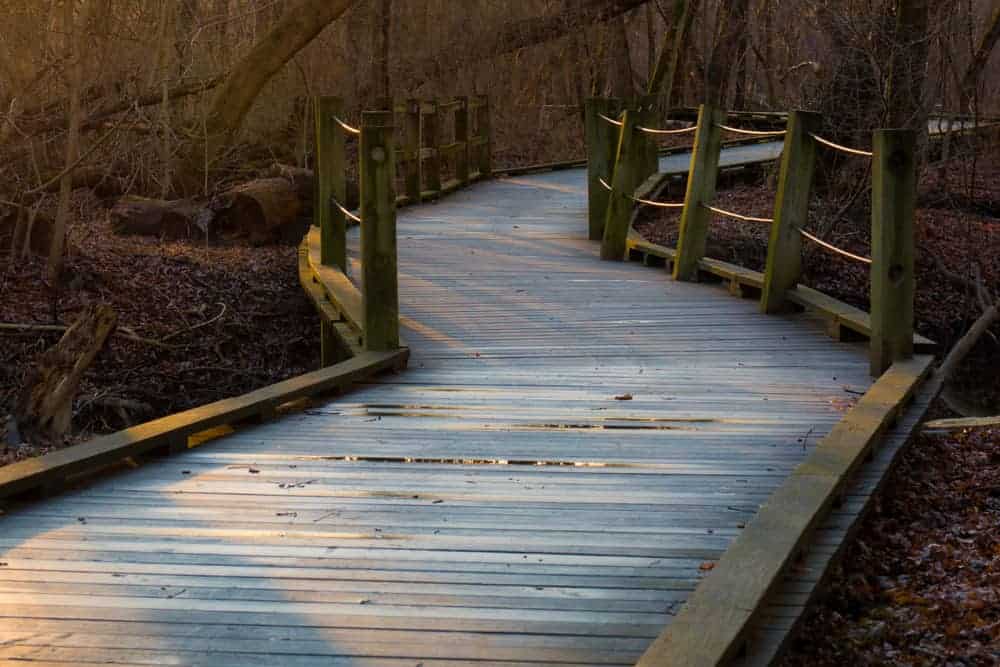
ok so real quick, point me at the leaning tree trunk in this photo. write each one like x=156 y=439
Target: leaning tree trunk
x=665 y=80
x=234 y=98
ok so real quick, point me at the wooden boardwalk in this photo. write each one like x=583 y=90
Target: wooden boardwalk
x=574 y=444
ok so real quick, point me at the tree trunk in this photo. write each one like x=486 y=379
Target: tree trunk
x=907 y=74
x=975 y=70
x=667 y=76
x=741 y=28
x=382 y=31
x=621 y=79
x=723 y=57
x=233 y=99
x=74 y=53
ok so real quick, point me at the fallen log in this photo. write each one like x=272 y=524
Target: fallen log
x=44 y=408
x=275 y=208
x=177 y=219
x=260 y=210
x=962 y=423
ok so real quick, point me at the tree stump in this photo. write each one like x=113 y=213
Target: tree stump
x=44 y=408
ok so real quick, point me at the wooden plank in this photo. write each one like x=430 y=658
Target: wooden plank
x=380 y=298
x=628 y=163
x=484 y=130
x=339 y=340
x=845 y=315
x=462 y=140
x=411 y=158
x=601 y=144
x=894 y=197
x=331 y=183
x=962 y=423
x=711 y=627
x=702 y=177
x=791 y=211
x=339 y=289
x=18 y=478
x=430 y=134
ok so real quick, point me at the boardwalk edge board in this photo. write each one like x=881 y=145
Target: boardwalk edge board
x=49 y=472
x=711 y=627
x=766 y=645
x=838 y=314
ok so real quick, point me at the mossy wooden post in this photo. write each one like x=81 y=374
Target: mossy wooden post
x=412 y=144
x=378 y=232
x=485 y=130
x=894 y=193
x=430 y=134
x=602 y=143
x=462 y=139
x=702 y=177
x=331 y=182
x=628 y=166
x=791 y=210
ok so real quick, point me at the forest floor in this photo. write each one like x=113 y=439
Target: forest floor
x=219 y=321
x=920 y=584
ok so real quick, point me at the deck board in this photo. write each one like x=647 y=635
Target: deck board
x=494 y=503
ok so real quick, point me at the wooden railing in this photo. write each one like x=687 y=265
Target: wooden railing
x=439 y=147
x=620 y=176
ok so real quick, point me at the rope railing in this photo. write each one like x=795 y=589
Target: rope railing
x=645 y=202
x=606 y=119
x=833 y=248
x=343 y=210
x=350 y=129
x=650 y=130
x=838 y=147
x=736 y=216
x=752 y=133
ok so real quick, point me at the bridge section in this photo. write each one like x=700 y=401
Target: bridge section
x=573 y=447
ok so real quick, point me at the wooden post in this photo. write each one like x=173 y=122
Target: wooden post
x=602 y=143
x=430 y=133
x=627 y=169
x=791 y=210
x=412 y=143
x=328 y=350
x=378 y=232
x=646 y=109
x=331 y=182
x=894 y=194
x=462 y=138
x=485 y=129
x=702 y=177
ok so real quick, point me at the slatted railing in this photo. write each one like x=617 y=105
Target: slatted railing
x=437 y=147
x=620 y=177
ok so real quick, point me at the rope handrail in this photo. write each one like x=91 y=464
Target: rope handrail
x=683 y=130
x=753 y=133
x=737 y=216
x=833 y=248
x=343 y=210
x=646 y=202
x=838 y=147
x=616 y=123
x=347 y=128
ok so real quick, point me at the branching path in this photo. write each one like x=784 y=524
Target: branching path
x=573 y=446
